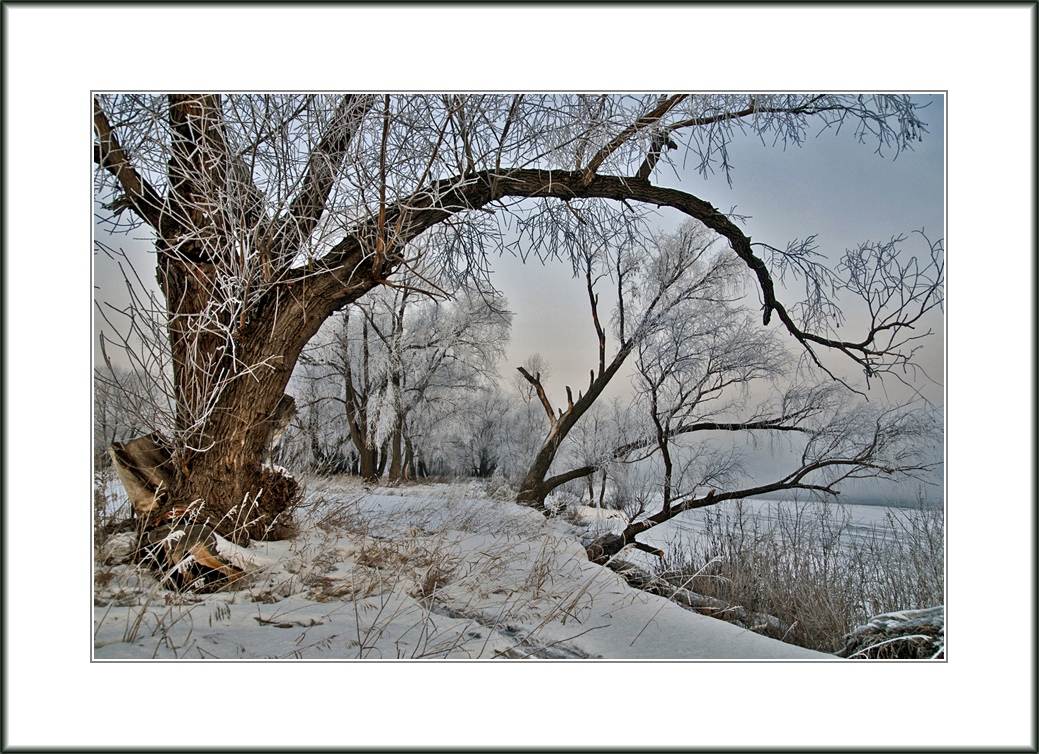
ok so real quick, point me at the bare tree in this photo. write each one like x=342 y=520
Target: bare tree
x=856 y=441
x=438 y=360
x=403 y=363
x=480 y=435
x=342 y=356
x=695 y=384
x=271 y=213
x=693 y=371
x=680 y=269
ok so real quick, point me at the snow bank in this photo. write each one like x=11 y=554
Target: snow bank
x=437 y=572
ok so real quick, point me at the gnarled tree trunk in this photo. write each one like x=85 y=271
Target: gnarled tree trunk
x=229 y=406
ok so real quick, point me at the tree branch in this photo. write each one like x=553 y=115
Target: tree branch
x=776 y=425
x=341 y=281
x=656 y=148
x=323 y=165
x=555 y=481
x=593 y=300
x=536 y=382
x=108 y=153
x=663 y=107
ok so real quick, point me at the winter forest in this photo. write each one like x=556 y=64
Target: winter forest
x=458 y=376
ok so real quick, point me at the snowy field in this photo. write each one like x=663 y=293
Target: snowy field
x=420 y=572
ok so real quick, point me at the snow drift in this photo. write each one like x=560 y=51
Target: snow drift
x=430 y=572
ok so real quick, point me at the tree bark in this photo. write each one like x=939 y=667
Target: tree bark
x=356 y=402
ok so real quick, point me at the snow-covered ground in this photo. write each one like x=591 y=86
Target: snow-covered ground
x=438 y=572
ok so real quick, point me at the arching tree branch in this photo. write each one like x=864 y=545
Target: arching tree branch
x=424 y=209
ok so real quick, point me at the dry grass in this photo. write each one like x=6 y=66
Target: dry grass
x=393 y=574
x=802 y=567
x=158 y=596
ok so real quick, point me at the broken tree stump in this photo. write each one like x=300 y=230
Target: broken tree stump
x=145 y=467
x=183 y=551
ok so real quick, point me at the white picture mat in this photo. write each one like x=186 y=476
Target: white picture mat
x=981 y=56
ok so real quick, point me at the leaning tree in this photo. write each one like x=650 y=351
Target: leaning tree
x=270 y=213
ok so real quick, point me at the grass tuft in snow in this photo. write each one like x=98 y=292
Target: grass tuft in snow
x=800 y=575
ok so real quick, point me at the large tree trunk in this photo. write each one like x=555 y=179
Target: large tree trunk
x=229 y=406
x=243 y=498
x=220 y=456
x=232 y=349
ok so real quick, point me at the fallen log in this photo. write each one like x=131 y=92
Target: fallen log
x=185 y=554
x=699 y=603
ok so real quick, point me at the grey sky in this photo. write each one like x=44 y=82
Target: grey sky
x=831 y=186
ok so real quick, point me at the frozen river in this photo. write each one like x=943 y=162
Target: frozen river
x=851 y=524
